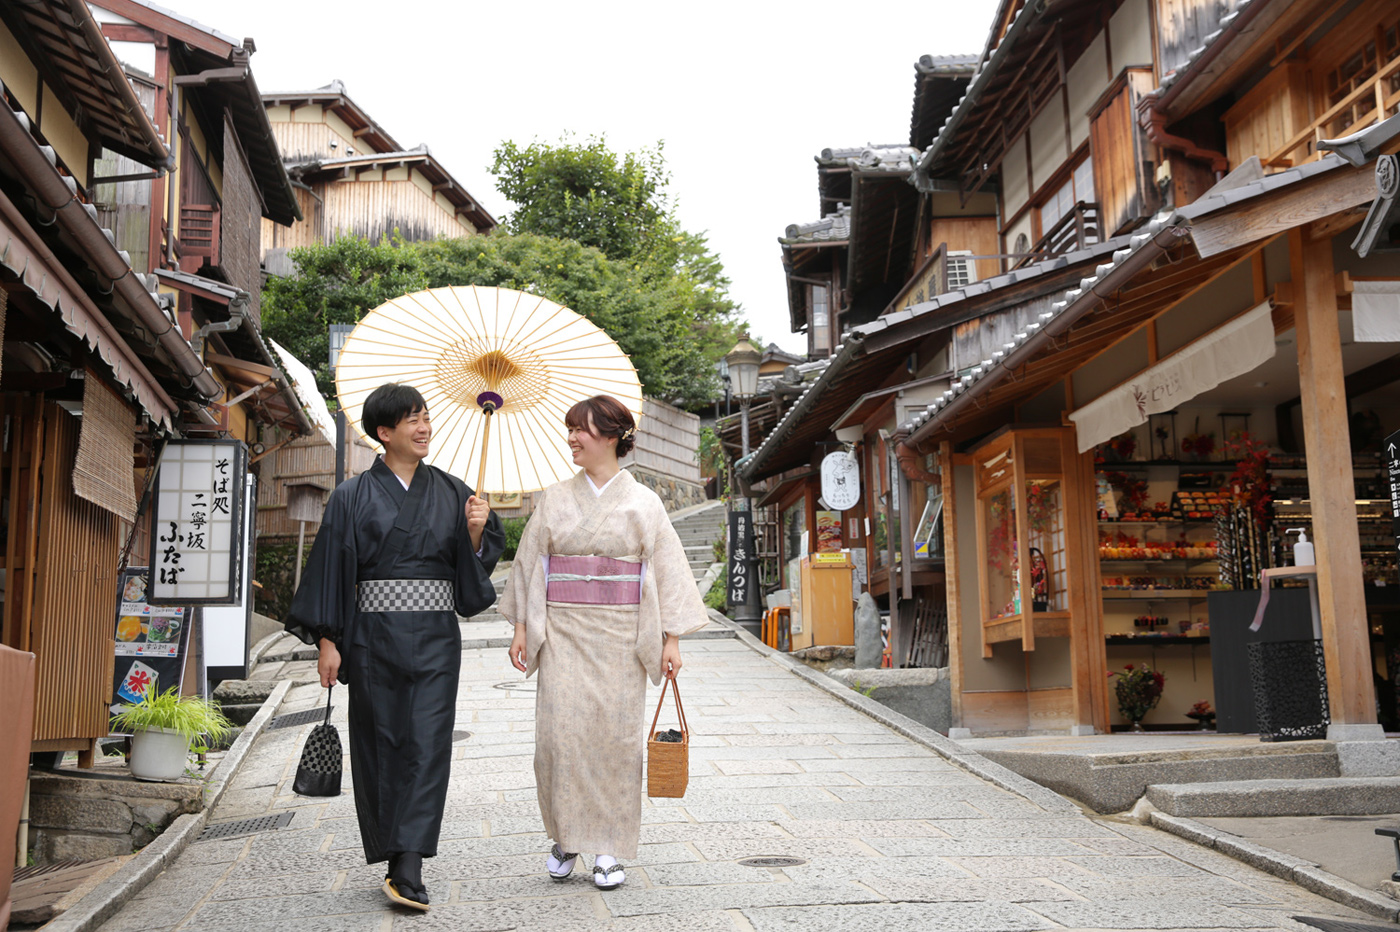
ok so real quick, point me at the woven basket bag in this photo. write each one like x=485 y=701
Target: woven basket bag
x=668 y=762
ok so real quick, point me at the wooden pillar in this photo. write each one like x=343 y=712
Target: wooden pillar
x=1327 y=439
x=953 y=588
x=1088 y=653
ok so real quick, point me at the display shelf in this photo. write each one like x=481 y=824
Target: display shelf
x=1154 y=595
x=1160 y=522
x=1172 y=561
x=1211 y=466
x=1134 y=640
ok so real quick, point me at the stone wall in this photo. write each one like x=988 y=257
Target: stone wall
x=675 y=493
x=89 y=817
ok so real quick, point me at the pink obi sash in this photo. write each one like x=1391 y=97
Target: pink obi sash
x=593 y=581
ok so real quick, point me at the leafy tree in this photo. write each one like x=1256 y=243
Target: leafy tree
x=586 y=192
x=335 y=284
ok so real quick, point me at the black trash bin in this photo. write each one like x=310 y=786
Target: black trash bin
x=1289 y=679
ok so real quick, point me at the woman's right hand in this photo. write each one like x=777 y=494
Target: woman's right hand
x=328 y=664
x=517 y=649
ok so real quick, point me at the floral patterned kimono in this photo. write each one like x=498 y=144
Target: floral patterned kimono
x=597 y=580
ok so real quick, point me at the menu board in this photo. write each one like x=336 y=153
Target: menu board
x=150 y=640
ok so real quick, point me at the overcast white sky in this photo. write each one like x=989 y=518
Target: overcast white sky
x=743 y=94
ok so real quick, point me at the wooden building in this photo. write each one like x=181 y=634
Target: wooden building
x=354 y=178
x=102 y=355
x=1169 y=254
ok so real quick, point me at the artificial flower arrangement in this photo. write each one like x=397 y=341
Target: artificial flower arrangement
x=1250 y=484
x=1139 y=688
x=1201 y=446
x=1202 y=712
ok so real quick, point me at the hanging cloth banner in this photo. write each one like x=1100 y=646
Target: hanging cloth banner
x=1239 y=346
x=1375 y=311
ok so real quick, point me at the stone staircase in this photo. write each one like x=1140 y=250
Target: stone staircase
x=699 y=527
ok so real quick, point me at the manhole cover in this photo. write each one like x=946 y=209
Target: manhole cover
x=246 y=826
x=304 y=717
x=526 y=686
x=460 y=736
x=772 y=862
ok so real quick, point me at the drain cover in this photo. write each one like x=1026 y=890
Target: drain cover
x=772 y=862
x=304 y=717
x=246 y=826
x=24 y=873
x=460 y=736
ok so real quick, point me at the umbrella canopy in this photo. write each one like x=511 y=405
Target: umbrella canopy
x=468 y=348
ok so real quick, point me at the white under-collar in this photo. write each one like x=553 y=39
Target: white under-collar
x=595 y=488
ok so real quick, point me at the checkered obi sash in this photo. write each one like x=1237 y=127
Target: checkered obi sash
x=593 y=581
x=406 y=595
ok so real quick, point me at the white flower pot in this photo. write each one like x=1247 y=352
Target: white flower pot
x=158 y=754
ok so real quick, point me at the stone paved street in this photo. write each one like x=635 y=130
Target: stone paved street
x=893 y=835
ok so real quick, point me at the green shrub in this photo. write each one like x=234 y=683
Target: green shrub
x=514 y=527
x=715 y=597
x=191 y=716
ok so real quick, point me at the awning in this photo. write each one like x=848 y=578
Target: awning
x=304 y=384
x=1231 y=350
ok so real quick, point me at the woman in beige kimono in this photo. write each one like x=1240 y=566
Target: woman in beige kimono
x=596 y=564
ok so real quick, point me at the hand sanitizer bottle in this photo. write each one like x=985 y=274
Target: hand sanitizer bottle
x=1303 y=550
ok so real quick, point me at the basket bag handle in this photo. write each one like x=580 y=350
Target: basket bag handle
x=680 y=710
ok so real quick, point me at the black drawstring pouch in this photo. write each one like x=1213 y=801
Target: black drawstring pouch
x=318 y=774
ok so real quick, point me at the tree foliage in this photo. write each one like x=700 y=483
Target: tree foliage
x=593 y=231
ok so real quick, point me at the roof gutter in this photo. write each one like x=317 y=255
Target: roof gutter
x=844 y=354
x=1082 y=304
x=36 y=168
x=102 y=51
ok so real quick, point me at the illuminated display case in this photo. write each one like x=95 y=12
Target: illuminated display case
x=1028 y=546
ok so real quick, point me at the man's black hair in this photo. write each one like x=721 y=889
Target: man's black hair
x=387 y=405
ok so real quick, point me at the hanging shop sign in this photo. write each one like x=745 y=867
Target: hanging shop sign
x=197 y=526
x=840 y=480
x=1392 y=474
x=741 y=556
x=150 y=640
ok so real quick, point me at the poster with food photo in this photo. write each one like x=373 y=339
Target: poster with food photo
x=149 y=640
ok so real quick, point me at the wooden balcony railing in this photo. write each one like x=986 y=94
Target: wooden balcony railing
x=199 y=232
x=1382 y=90
x=1075 y=230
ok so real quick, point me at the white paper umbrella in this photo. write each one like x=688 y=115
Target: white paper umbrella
x=498 y=368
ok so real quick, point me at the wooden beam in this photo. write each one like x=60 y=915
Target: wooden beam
x=1291 y=207
x=952 y=585
x=159 y=22
x=1331 y=485
x=125 y=32
x=229 y=362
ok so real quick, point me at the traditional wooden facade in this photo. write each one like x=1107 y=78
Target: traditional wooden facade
x=354 y=178
x=102 y=356
x=1155 y=176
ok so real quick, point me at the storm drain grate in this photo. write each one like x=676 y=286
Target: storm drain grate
x=460 y=736
x=36 y=870
x=304 y=717
x=246 y=826
x=1344 y=925
x=772 y=862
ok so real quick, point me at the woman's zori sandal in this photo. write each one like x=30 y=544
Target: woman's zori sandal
x=560 y=864
x=608 y=876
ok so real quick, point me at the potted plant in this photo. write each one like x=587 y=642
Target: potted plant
x=1202 y=713
x=1138 y=689
x=165 y=727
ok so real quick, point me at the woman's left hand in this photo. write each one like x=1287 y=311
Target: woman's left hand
x=671 y=656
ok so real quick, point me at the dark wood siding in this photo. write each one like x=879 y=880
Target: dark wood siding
x=1124 y=184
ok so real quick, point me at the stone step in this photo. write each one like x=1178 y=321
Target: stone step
x=241 y=713
x=1323 y=796
x=301 y=651
x=1109 y=773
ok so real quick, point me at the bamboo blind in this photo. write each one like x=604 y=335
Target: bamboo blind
x=75 y=595
x=103 y=472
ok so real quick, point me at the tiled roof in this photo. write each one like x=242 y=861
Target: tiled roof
x=1225 y=21
x=835 y=227
x=897 y=158
x=951 y=65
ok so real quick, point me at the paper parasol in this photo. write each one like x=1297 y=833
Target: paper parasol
x=498 y=368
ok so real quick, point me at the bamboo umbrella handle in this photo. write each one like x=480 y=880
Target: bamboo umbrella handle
x=487 y=410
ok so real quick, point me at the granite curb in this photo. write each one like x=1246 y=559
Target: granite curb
x=1284 y=866
x=104 y=900
x=971 y=761
x=262 y=647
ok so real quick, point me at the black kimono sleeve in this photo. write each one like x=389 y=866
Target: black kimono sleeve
x=324 y=603
x=473 y=591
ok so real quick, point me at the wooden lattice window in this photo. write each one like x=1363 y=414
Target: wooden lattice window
x=1355 y=72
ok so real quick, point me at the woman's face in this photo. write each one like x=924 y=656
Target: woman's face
x=589 y=449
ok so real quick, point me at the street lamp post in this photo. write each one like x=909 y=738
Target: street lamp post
x=338 y=334
x=742 y=363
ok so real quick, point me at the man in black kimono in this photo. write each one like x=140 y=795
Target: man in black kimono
x=403 y=550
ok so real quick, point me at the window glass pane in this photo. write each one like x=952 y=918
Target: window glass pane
x=1084 y=182
x=794 y=523
x=819 y=310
